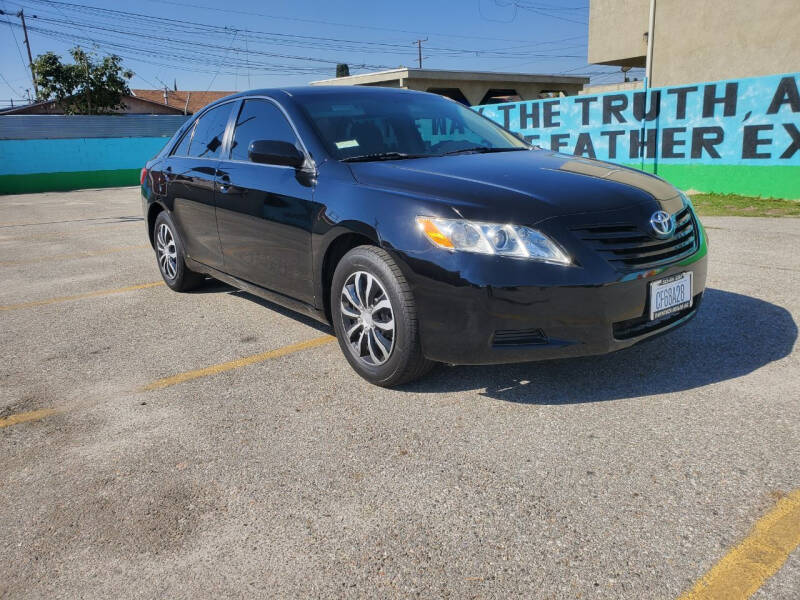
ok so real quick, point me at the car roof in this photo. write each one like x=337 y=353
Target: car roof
x=310 y=91
x=345 y=90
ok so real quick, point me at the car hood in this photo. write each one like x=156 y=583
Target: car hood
x=534 y=185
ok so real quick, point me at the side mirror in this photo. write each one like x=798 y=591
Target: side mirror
x=274 y=152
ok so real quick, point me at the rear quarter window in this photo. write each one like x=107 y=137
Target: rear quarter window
x=182 y=147
x=209 y=132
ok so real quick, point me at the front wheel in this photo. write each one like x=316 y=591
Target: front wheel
x=375 y=318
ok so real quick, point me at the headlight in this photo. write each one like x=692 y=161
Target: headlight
x=492 y=238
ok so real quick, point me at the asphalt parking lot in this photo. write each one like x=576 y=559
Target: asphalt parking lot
x=157 y=444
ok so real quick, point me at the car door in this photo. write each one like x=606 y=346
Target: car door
x=191 y=174
x=264 y=211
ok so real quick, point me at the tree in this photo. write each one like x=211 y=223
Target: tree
x=88 y=86
x=342 y=70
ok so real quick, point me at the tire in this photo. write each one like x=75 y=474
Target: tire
x=368 y=295
x=170 y=256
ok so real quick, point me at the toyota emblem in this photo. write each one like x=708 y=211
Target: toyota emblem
x=662 y=223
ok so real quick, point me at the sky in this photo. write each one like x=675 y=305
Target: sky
x=245 y=44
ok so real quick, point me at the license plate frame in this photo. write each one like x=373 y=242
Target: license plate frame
x=671 y=294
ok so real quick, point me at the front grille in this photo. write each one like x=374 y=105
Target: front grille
x=627 y=248
x=625 y=330
x=518 y=337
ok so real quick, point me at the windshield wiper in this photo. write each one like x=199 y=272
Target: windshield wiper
x=481 y=150
x=382 y=156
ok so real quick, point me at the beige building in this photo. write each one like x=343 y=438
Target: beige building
x=703 y=40
x=469 y=87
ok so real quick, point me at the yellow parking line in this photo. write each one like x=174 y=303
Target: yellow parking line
x=235 y=364
x=84 y=254
x=34 y=224
x=73 y=232
x=745 y=568
x=121 y=290
x=33 y=415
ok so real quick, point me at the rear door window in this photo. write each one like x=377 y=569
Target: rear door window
x=209 y=132
x=259 y=120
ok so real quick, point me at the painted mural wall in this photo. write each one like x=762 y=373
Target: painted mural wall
x=40 y=153
x=738 y=136
x=44 y=165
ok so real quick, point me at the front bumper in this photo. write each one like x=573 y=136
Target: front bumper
x=476 y=309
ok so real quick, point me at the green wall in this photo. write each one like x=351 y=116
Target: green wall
x=746 y=180
x=74 y=180
x=44 y=165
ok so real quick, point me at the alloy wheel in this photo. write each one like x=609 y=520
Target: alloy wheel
x=166 y=251
x=367 y=318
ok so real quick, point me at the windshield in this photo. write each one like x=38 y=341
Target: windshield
x=366 y=127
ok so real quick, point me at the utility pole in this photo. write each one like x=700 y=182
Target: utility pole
x=21 y=15
x=419 y=50
x=648 y=77
x=651 y=34
x=166 y=90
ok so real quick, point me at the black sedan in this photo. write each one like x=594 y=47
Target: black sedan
x=422 y=231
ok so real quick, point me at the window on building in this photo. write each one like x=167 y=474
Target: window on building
x=452 y=93
x=500 y=96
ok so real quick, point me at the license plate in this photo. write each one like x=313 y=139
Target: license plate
x=670 y=295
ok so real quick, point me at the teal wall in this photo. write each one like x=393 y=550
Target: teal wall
x=62 y=152
x=22 y=157
x=43 y=164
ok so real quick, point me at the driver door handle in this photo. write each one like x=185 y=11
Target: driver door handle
x=225 y=184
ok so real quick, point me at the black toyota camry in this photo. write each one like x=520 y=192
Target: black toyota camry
x=420 y=230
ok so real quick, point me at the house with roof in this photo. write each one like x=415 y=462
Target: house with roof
x=138 y=102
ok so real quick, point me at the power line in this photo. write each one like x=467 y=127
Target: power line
x=140 y=38
x=65 y=16
x=175 y=44
x=318 y=41
x=228 y=30
x=11 y=87
x=147 y=81
x=197 y=56
x=198 y=44
x=481 y=15
x=233 y=41
x=320 y=22
x=247 y=51
x=545 y=11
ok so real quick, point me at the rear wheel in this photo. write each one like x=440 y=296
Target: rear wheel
x=375 y=318
x=170 y=255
